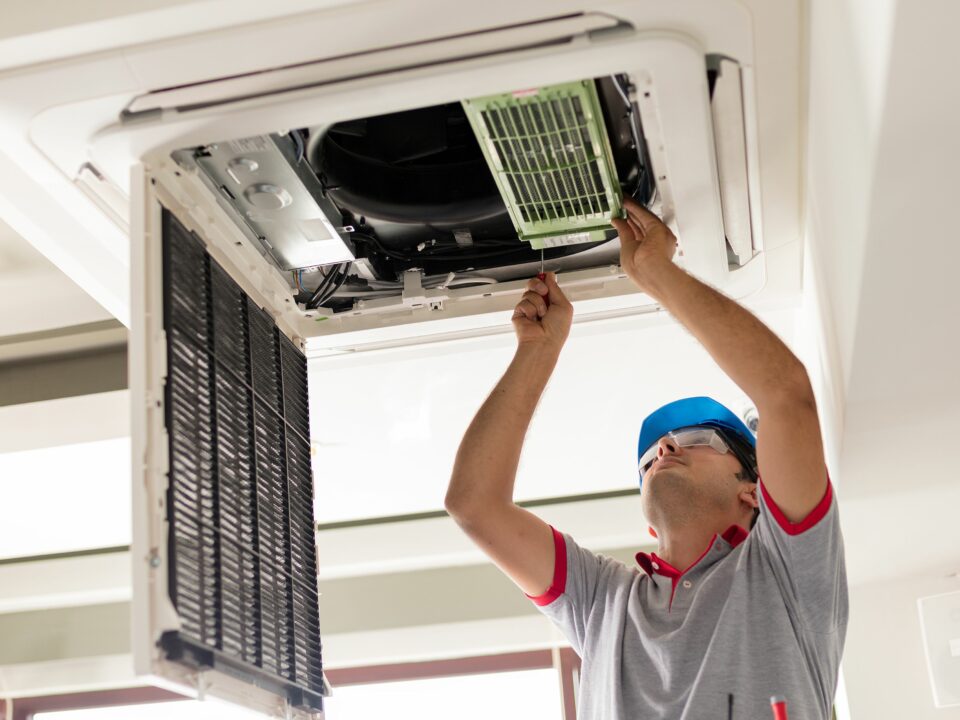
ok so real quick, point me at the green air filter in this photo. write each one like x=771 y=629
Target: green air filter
x=550 y=156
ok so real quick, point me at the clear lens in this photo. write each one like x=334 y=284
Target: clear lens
x=686 y=437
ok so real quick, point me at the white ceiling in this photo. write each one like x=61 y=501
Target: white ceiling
x=35 y=295
x=387 y=424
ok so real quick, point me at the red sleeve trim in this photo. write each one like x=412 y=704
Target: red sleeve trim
x=559 y=571
x=812 y=518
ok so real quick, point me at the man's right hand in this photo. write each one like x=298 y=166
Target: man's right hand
x=480 y=495
x=543 y=315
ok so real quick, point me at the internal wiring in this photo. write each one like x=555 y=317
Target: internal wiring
x=332 y=281
x=299 y=145
x=321 y=288
x=343 y=274
x=472 y=281
x=634 y=133
x=370 y=239
x=382 y=289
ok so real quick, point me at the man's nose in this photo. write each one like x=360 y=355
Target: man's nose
x=667 y=446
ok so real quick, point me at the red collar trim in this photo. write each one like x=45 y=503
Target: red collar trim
x=651 y=564
x=735 y=535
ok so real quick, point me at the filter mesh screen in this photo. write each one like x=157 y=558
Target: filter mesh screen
x=549 y=153
x=549 y=158
x=243 y=571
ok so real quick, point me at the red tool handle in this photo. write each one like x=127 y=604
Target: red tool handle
x=779 y=706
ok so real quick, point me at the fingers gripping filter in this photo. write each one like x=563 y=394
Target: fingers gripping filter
x=693 y=411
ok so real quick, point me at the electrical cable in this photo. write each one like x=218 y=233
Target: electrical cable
x=364 y=237
x=361 y=294
x=332 y=282
x=343 y=274
x=643 y=170
x=371 y=240
x=298 y=145
x=430 y=283
x=381 y=289
x=320 y=289
x=633 y=129
x=472 y=281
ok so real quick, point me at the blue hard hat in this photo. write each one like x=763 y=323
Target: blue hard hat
x=691 y=412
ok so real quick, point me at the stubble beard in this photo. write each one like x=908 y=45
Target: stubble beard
x=667 y=499
x=675 y=499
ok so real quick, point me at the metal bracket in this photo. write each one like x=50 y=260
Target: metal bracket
x=413 y=294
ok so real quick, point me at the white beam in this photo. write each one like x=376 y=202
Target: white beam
x=65 y=582
x=65 y=421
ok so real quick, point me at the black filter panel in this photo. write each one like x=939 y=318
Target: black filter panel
x=243 y=564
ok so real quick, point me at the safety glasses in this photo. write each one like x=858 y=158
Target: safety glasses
x=686 y=437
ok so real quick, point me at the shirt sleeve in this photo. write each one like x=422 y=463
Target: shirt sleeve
x=582 y=582
x=807 y=560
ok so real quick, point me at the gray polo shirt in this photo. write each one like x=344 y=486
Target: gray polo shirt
x=758 y=614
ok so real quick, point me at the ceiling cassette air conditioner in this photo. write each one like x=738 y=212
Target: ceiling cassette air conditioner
x=388 y=205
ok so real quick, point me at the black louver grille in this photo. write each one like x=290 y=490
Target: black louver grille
x=243 y=572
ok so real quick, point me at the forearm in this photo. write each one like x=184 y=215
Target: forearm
x=486 y=463
x=744 y=348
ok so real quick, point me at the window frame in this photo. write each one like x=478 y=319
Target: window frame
x=563 y=659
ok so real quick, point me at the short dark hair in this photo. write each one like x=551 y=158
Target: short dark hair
x=747 y=455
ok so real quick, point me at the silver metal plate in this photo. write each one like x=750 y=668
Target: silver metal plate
x=278 y=197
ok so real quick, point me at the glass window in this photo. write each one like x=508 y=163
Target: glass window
x=65 y=498
x=516 y=695
x=186 y=710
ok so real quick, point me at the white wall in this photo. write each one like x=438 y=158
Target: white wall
x=885 y=668
x=881 y=204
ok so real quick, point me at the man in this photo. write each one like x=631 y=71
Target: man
x=746 y=595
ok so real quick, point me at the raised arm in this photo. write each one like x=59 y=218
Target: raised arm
x=789 y=445
x=480 y=495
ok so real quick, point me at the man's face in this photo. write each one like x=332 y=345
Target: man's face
x=690 y=484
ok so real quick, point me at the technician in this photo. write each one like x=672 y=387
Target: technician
x=746 y=596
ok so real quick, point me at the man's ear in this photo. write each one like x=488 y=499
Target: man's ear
x=748 y=495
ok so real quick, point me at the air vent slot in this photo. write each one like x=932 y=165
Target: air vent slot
x=730 y=141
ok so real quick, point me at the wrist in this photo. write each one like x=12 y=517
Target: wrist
x=655 y=274
x=541 y=350
x=529 y=372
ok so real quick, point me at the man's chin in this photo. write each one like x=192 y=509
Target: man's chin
x=666 y=489
x=670 y=470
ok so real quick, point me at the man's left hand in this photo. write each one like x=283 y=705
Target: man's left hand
x=645 y=242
